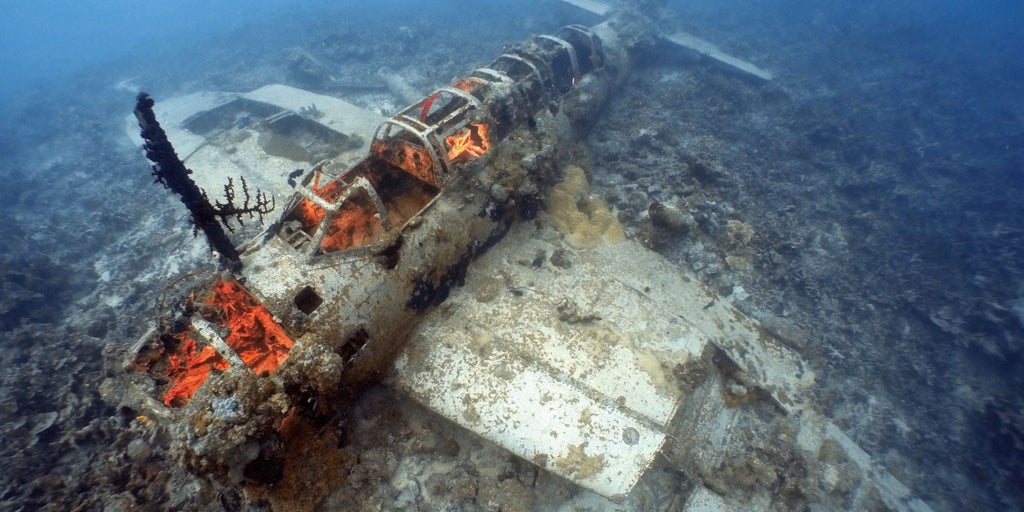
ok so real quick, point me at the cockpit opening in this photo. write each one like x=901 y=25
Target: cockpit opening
x=356 y=209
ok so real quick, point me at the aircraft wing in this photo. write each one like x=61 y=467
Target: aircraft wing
x=587 y=360
x=263 y=135
x=558 y=355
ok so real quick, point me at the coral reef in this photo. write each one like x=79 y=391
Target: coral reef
x=582 y=217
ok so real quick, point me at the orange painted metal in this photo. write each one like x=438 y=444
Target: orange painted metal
x=257 y=339
x=355 y=224
x=307 y=212
x=470 y=142
x=188 y=369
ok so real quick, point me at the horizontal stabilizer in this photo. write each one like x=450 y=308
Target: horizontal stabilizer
x=595 y=6
x=688 y=41
x=707 y=49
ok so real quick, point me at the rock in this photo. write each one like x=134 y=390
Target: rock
x=560 y=258
x=671 y=218
x=139 y=451
x=740 y=233
x=737 y=390
x=448 y=447
x=407 y=497
x=120 y=502
x=508 y=496
x=708 y=171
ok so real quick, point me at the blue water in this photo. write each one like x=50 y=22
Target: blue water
x=52 y=40
x=44 y=41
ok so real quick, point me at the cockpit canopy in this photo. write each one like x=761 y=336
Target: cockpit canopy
x=415 y=154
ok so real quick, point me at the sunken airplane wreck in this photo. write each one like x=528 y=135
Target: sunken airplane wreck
x=576 y=360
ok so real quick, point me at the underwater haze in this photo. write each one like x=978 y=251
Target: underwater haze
x=877 y=183
x=45 y=42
